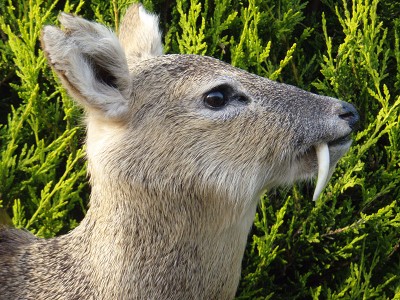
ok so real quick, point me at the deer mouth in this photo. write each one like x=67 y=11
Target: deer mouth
x=340 y=141
x=325 y=167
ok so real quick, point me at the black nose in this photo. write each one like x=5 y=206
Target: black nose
x=349 y=114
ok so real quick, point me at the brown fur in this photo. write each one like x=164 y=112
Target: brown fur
x=175 y=183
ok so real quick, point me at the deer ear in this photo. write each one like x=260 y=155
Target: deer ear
x=91 y=64
x=140 y=35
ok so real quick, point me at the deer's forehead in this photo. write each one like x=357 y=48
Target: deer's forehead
x=192 y=75
x=183 y=66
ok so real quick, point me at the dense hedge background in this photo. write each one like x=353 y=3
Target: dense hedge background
x=345 y=246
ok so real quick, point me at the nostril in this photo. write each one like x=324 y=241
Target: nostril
x=349 y=114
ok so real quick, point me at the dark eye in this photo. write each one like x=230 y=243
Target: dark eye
x=215 y=99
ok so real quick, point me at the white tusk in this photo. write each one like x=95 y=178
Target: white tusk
x=323 y=168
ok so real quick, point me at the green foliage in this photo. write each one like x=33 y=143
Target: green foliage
x=41 y=168
x=345 y=246
x=191 y=40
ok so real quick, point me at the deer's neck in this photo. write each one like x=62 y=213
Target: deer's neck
x=153 y=246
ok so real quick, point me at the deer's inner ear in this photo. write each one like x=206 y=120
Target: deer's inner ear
x=102 y=74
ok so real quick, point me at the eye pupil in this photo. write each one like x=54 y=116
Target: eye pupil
x=215 y=99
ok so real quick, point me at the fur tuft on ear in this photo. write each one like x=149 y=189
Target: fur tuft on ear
x=91 y=64
x=140 y=35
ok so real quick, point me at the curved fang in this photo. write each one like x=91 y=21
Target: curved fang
x=323 y=168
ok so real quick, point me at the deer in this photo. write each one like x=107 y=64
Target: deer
x=180 y=148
